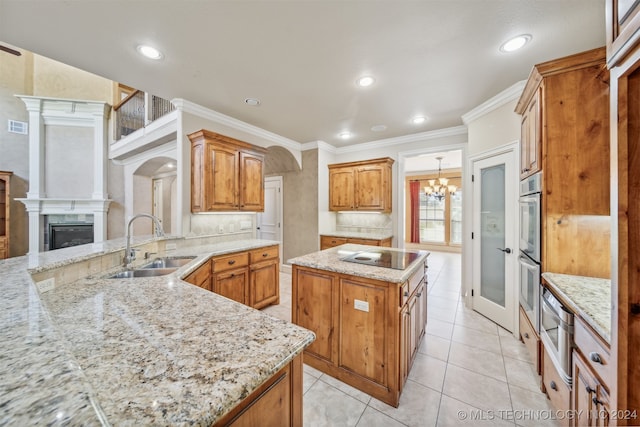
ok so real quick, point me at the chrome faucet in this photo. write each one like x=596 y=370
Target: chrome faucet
x=130 y=254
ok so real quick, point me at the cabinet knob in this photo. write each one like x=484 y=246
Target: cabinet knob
x=526 y=335
x=590 y=390
x=406 y=293
x=595 y=357
x=553 y=385
x=597 y=402
x=265 y=254
x=419 y=294
x=231 y=262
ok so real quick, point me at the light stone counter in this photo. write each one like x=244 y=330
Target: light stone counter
x=588 y=297
x=143 y=351
x=330 y=260
x=374 y=235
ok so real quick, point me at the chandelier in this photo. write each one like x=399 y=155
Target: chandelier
x=437 y=190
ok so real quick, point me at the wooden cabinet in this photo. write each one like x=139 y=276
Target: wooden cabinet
x=530 y=146
x=558 y=391
x=590 y=397
x=623 y=25
x=231 y=276
x=367 y=331
x=327 y=242
x=565 y=134
x=276 y=403
x=226 y=174
x=531 y=340
x=201 y=277
x=5 y=202
x=361 y=186
x=264 y=277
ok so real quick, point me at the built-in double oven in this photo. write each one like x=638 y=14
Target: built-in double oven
x=529 y=259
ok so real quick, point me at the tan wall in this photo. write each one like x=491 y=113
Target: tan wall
x=300 y=206
x=496 y=128
x=57 y=80
x=69 y=162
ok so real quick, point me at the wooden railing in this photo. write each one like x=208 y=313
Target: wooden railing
x=137 y=110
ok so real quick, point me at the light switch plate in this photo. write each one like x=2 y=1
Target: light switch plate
x=220 y=228
x=46 y=285
x=245 y=225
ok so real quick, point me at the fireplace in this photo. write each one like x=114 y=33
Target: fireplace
x=67 y=235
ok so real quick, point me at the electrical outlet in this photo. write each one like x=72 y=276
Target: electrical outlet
x=231 y=228
x=46 y=285
x=220 y=228
x=170 y=246
x=245 y=225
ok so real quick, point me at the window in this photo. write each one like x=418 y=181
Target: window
x=456 y=217
x=432 y=216
x=440 y=221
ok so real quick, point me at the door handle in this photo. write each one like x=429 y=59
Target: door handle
x=505 y=250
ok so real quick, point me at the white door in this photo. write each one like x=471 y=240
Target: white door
x=269 y=222
x=495 y=251
x=158 y=202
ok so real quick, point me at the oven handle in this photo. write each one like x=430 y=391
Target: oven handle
x=530 y=265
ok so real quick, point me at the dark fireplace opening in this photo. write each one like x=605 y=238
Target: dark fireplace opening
x=67 y=235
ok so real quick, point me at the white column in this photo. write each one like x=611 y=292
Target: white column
x=36 y=224
x=100 y=138
x=36 y=148
x=100 y=224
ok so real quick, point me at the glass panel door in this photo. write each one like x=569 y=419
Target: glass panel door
x=492 y=233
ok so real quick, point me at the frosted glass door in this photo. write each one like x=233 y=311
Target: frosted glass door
x=492 y=234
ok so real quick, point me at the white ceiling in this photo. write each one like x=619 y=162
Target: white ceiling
x=302 y=58
x=429 y=162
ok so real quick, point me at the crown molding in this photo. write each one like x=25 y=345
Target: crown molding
x=320 y=145
x=511 y=93
x=206 y=113
x=414 y=137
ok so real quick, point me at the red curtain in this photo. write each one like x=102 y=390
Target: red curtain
x=414 y=192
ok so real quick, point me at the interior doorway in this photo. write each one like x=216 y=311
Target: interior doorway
x=270 y=222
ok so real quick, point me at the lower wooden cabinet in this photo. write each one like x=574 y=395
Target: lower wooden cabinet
x=590 y=400
x=276 y=403
x=558 y=391
x=251 y=277
x=531 y=340
x=367 y=333
x=327 y=242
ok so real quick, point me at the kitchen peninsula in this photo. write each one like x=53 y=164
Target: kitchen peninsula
x=368 y=308
x=84 y=349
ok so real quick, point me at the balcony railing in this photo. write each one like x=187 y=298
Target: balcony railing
x=137 y=110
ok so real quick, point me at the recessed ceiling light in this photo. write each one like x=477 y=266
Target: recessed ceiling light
x=365 y=81
x=378 y=128
x=418 y=120
x=515 y=43
x=345 y=135
x=252 y=101
x=149 y=52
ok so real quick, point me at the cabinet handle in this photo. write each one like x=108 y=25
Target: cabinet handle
x=418 y=295
x=526 y=170
x=231 y=262
x=526 y=335
x=406 y=293
x=595 y=357
x=597 y=402
x=553 y=385
x=265 y=254
x=590 y=390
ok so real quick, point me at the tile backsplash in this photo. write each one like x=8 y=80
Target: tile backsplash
x=363 y=222
x=223 y=223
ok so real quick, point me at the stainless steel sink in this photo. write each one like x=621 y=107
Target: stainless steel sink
x=143 y=272
x=169 y=262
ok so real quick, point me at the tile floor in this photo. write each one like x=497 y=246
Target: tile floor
x=468 y=370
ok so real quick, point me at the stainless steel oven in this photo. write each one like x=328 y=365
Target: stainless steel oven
x=529 y=260
x=556 y=332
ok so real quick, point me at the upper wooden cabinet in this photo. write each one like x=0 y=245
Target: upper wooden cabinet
x=361 y=186
x=530 y=146
x=623 y=25
x=226 y=174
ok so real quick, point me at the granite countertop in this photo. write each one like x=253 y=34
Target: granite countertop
x=330 y=260
x=374 y=235
x=153 y=351
x=588 y=297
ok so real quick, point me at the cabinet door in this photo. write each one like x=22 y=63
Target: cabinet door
x=232 y=284
x=370 y=188
x=421 y=314
x=264 y=288
x=327 y=242
x=341 y=189
x=405 y=343
x=530 y=138
x=251 y=182
x=584 y=387
x=364 y=330
x=201 y=277
x=221 y=178
x=197 y=177
x=314 y=309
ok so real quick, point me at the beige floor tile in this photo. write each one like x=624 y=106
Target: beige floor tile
x=475 y=389
x=522 y=374
x=428 y=371
x=418 y=406
x=477 y=360
x=435 y=346
x=475 y=338
x=446 y=315
x=474 y=320
x=513 y=348
x=445 y=292
x=439 y=328
x=374 y=418
x=312 y=371
x=532 y=408
x=325 y=405
x=346 y=388
x=307 y=381
x=454 y=413
x=440 y=302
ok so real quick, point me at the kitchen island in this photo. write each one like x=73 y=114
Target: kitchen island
x=369 y=320
x=84 y=349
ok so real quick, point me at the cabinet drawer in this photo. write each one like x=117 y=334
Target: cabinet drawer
x=558 y=391
x=262 y=254
x=3 y=242
x=415 y=280
x=330 y=241
x=369 y=242
x=531 y=339
x=404 y=294
x=231 y=261
x=593 y=349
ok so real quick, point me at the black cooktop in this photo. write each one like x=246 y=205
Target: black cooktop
x=383 y=258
